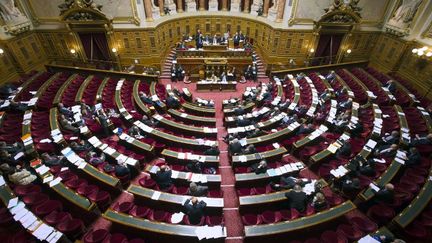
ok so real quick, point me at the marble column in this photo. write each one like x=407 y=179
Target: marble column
x=224 y=5
x=280 y=11
x=246 y=6
x=266 y=7
x=148 y=10
x=179 y=6
x=161 y=7
x=202 y=5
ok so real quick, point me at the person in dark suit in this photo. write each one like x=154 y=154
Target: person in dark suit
x=297 y=199
x=319 y=202
x=81 y=146
x=391 y=86
x=344 y=150
x=236 y=39
x=385 y=195
x=422 y=140
x=238 y=111
x=235 y=147
x=51 y=160
x=121 y=170
x=194 y=209
x=195 y=166
x=392 y=138
x=163 y=177
x=350 y=185
x=144 y=98
x=259 y=168
x=172 y=102
x=65 y=111
x=413 y=157
x=305 y=129
x=199 y=41
x=214 y=150
x=250 y=149
x=387 y=150
x=357 y=129
x=13 y=149
x=197 y=190
x=243 y=121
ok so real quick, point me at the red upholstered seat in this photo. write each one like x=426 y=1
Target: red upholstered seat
x=147 y=182
x=35 y=199
x=380 y=213
x=123 y=207
x=312 y=240
x=269 y=217
x=23 y=190
x=87 y=190
x=137 y=240
x=187 y=222
x=101 y=198
x=5 y=218
x=139 y=211
x=76 y=183
x=333 y=237
x=116 y=238
x=214 y=220
x=158 y=215
x=364 y=225
x=96 y=236
x=349 y=232
x=55 y=217
x=417 y=231
x=47 y=207
x=251 y=219
x=71 y=227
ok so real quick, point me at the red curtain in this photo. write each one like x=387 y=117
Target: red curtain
x=95 y=46
x=328 y=45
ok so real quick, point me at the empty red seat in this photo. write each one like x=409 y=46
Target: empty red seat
x=76 y=183
x=35 y=199
x=101 y=198
x=364 y=225
x=332 y=237
x=123 y=207
x=251 y=219
x=47 y=207
x=380 y=213
x=158 y=215
x=147 y=182
x=349 y=232
x=139 y=211
x=214 y=220
x=269 y=217
x=23 y=190
x=87 y=190
x=116 y=238
x=96 y=236
x=55 y=217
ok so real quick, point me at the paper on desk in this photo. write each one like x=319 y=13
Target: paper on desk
x=13 y=202
x=374 y=187
x=48 y=179
x=156 y=195
x=2 y=181
x=43 y=231
x=55 y=181
x=177 y=217
x=367 y=239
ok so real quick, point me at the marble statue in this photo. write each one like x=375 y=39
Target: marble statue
x=155 y=10
x=213 y=5
x=405 y=13
x=171 y=6
x=190 y=5
x=235 y=6
x=257 y=4
x=272 y=12
x=10 y=13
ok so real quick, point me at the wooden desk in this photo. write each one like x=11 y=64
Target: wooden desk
x=139 y=191
x=171 y=155
x=187 y=118
x=153 y=93
x=237 y=160
x=82 y=88
x=252 y=177
x=143 y=107
x=273 y=137
x=153 y=226
x=300 y=223
x=101 y=89
x=59 y=95
x=216 y=86
x=230 y=111
x=186 y=176
x=199 y=110
x=26 y=84
x=201 y=132
x=218 y=47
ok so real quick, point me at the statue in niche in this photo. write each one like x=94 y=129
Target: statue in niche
x=256 y=6
x=10 y=13
x=405 y=13
x=235 y=5
x=190 y=5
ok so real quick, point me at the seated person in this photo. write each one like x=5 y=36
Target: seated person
x=197 y=190
x=250 y=149
x=341 y=92
x=64 y=111
x=331 y=76
x=52 y=160
x=350 y=185
x=385 y=195
x=14 y=148
x=21 y=176
x=422 y=140
x=144 y=98
x=413 y=157
x=344 y=105
x=387 y=150
x=288 y=182
x=301 y=110
x=6 y=157
x=149 y=121
x=391 y=86
x=319 y=202
x=93 y=158
x=121 y=169
x=243 y=122
x=391 y=138
x=283 y=106
x=255 y=133
x=326 y=95
x=163 y=177
x=172 y=102
x=195 y=166
x=357 y=129
x=297 y=199
x=194 y=209
x=259 y=168
x=67 y=125
x=80 y=146
x=344 y=150
x=305 y=129
x=238 y=111
x=235 y=147
x=135 y=132
x=290 y=119
x=214 y=150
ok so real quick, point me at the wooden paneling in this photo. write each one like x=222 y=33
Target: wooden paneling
x=388 y=52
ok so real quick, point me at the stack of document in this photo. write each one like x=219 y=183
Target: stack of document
x=210 y=232
x=339 y=172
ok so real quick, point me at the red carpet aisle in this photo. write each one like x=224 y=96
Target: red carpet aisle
x=233 y=221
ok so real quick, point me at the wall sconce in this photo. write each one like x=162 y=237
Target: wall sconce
x=1 y=52
x=73 y=52
x=422 y=52
x=312 y=50
x=114 y=50
x=136 y=61
x=348 y=51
